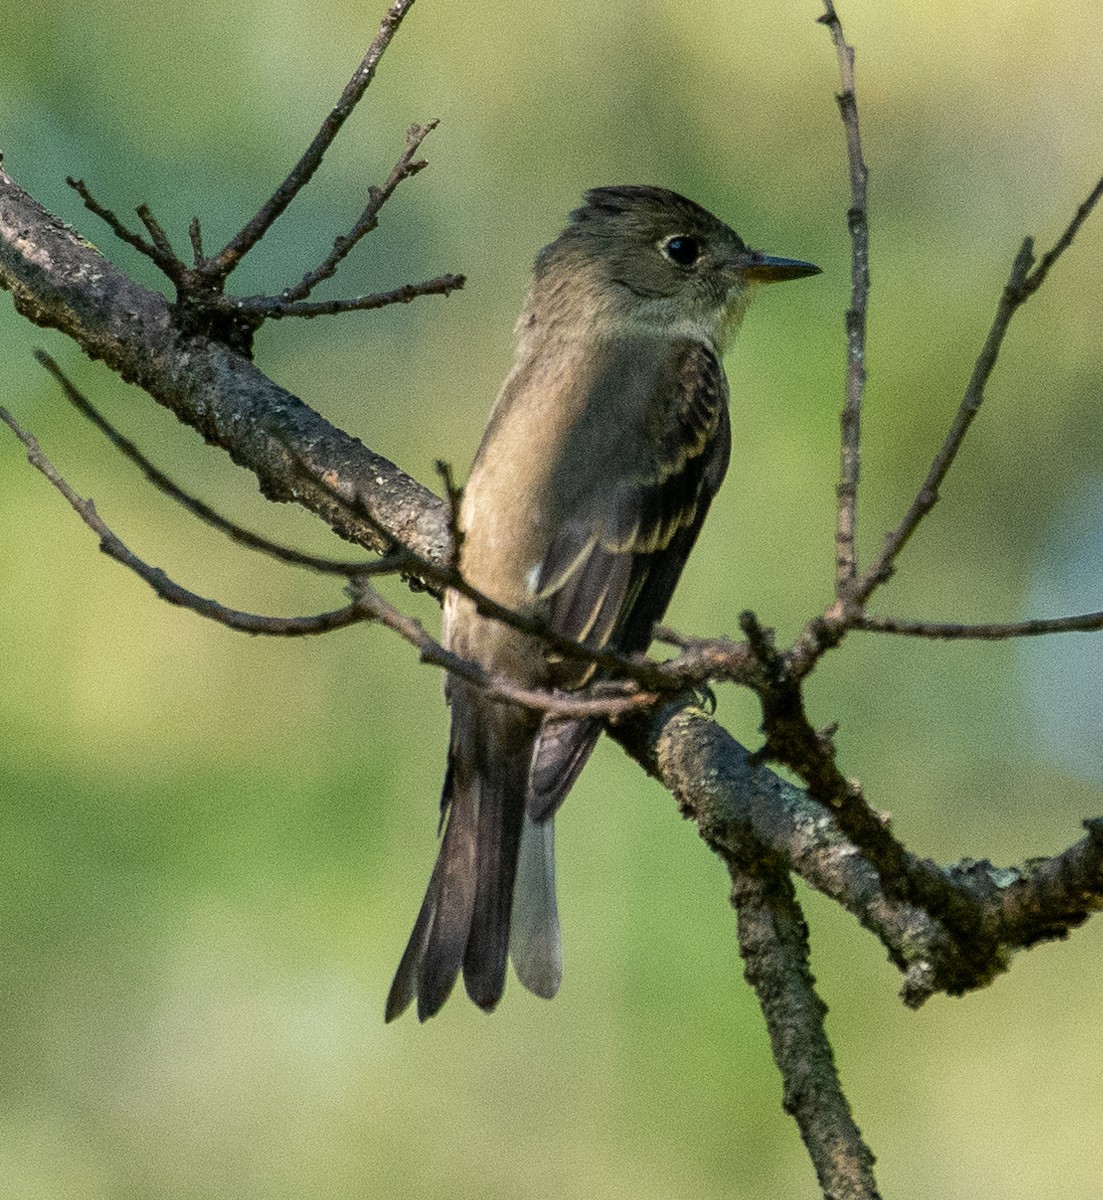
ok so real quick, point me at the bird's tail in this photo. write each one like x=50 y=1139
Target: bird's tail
x=465 y=919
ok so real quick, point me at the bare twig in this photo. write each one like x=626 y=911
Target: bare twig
x=58 y=280
x=166 y=261
x=276 y=307
x=603 y=700
x=882 y=567
x=1038 y=277
x=828 y=630
x=241 y=243
x=165 y=587
x=156 y=232
x=858 y=224
x=195 y=236
x=948 y=631
x=1021 y=285
x=369 y=218
x=244 y=537
x=200 y=286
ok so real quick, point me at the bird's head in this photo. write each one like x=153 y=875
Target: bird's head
x=651 y=258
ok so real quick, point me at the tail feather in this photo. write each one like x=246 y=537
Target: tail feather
x=535 y=945
x=433 y=954
x=561 y=753
x=464 y=922
x=404 y=987
x=499 y=843
x=453 y=905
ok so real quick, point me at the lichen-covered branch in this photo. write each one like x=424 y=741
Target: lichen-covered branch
x=988 y=911
x=773 y=941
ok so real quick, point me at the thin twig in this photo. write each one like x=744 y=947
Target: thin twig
x=241 y=243
x=858 y=224
x=166 y=261
x=561 y=704
x=828 y=630
x=195 y=236
x=200 y=287
x=369 y=218
x=276 y=307
x=156 y=232
x=244 y=537
x=882 y=567
x=1064 y=241
x=949 y=631
x=165 y=587
x=1021 y=285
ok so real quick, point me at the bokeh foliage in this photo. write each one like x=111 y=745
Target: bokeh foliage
x=212 y=847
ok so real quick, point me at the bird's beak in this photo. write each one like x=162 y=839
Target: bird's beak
x=764 y=268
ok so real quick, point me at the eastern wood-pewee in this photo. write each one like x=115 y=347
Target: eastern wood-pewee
x=606 y=446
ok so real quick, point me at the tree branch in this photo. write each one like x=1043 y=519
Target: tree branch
x=60 y=281
x=882 y=567
x=166 y=260
x=369 y=218
x=166 y=588
x=1047 y=897
x=201 y=304
x=773 y=940
x=1021 y=285
x=241 y=243
x=1082 y=623
x=828 y=630
x=276 y=307
x=858 y=224
x=737 y=802
x=389 y=564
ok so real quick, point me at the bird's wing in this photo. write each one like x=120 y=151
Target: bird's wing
x=609 y=574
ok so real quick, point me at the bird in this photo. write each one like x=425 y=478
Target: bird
x=608 y=441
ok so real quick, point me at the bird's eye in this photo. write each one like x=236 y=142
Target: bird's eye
x=681 y=249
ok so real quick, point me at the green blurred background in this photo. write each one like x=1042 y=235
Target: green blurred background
x=213 y=847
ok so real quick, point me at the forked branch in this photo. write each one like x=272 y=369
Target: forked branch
x=201 y=303
x=242 y=242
